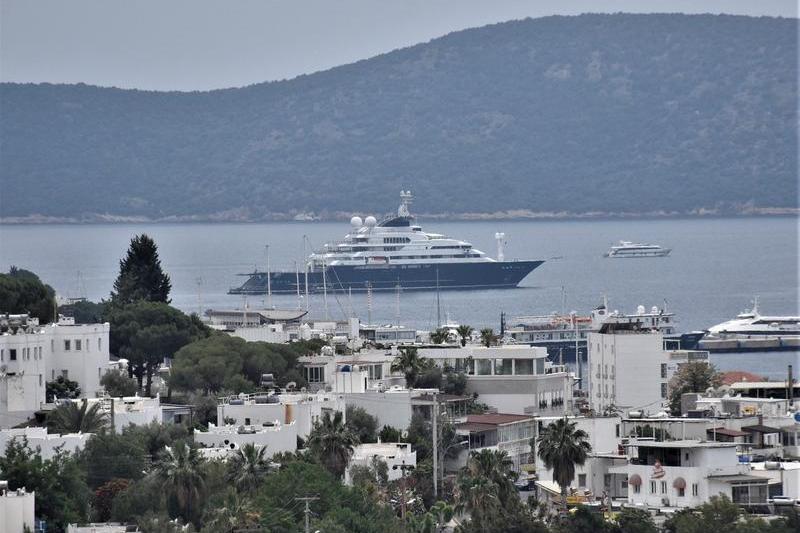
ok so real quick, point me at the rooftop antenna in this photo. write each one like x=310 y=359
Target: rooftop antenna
x=563 y=300
x=755 y=305
x=269 y=283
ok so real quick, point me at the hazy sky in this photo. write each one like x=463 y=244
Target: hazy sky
x=204 y=44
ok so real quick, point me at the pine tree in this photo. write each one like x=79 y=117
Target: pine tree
x=140 y=274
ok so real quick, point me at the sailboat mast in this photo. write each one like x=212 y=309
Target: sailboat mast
x=269 y=282
x=297 y=282
x=438 y=302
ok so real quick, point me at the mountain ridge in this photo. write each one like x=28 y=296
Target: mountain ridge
x=616 y=103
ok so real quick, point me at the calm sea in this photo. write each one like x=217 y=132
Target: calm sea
x=716 y=267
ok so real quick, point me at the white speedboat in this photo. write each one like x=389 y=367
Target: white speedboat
x=633 y=249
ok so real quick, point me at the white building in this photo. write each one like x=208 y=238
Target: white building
x=48 y=444
x=16 y=509
x=304 y=409
x=687 y=473
x=594 y=476
x=512 y=379
x=628 y=369
x=277 y=437
x=511 y=433
x=34 y=355
x=394 y=454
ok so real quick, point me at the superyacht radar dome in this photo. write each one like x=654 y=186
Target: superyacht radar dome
x=371 y=221
x=356 y=222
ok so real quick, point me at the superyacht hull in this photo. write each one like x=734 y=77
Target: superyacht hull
x=387 y=277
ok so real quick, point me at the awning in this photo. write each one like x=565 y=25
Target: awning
x=760 y=428
x=679 y=483
x=635 y=480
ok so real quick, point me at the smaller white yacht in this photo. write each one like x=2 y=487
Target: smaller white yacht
x=633 y=249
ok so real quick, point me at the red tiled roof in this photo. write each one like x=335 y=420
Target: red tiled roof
x=497 y=418
x=736 y=376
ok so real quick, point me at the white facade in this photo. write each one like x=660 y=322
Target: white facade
x=47 y=443
x=394 y=454
x=688 y=473
x=393 y=407
x=128 y=410
x=277 y=438
x=512 y=379
x=16 y=510
x=300 y=408
x=511 y=433
x=38 y=354
x=627 y=370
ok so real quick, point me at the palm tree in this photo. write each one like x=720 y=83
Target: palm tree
x=235 y=514
x=465 y=332
x=409 y=363
x=439 y=336
x=247 y=467
x=496 y=466
x=485 y=487
x=71 y=418
x=181 y=474
x=488 y=337
x=562 y=447
x=332 y=442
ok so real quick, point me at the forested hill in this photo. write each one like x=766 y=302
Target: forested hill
x=611 y=113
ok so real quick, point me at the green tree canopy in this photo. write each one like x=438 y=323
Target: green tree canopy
x=59 y=483
x=109 y=455
x=694 y=376
x=119 y=384
x=222 y=362
x=140 y=274
x=21 y=291
x=62 y=389
x=363 y=424
x=145 y=333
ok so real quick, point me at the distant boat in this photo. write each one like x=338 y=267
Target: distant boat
x=633 y=249
x=752 y=331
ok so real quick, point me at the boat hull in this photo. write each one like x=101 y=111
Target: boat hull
x=387 y=277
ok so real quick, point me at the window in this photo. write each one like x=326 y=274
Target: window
x=637 y=489
x=581 y=480
x=12 y=354
x=40 y=380
x=663 y=370
x=695 y=490
x=483 y=367
x=2 y=353
x=246 y=421
x=67 y=345
x=65 y=374
x=663 y=390
x=78 y=343
x=523 y=367
x=663 y=487
x=99 y=344
x=502 y=367
x=315 y=374
x=652 y=487
x=681 y=492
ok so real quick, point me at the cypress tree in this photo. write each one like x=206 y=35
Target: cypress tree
x=140 y=274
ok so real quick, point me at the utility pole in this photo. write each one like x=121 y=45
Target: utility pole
x=435 y=448
x=403 y=468
x=307 y=512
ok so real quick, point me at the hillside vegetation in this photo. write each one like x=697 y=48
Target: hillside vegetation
x=611 y=113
